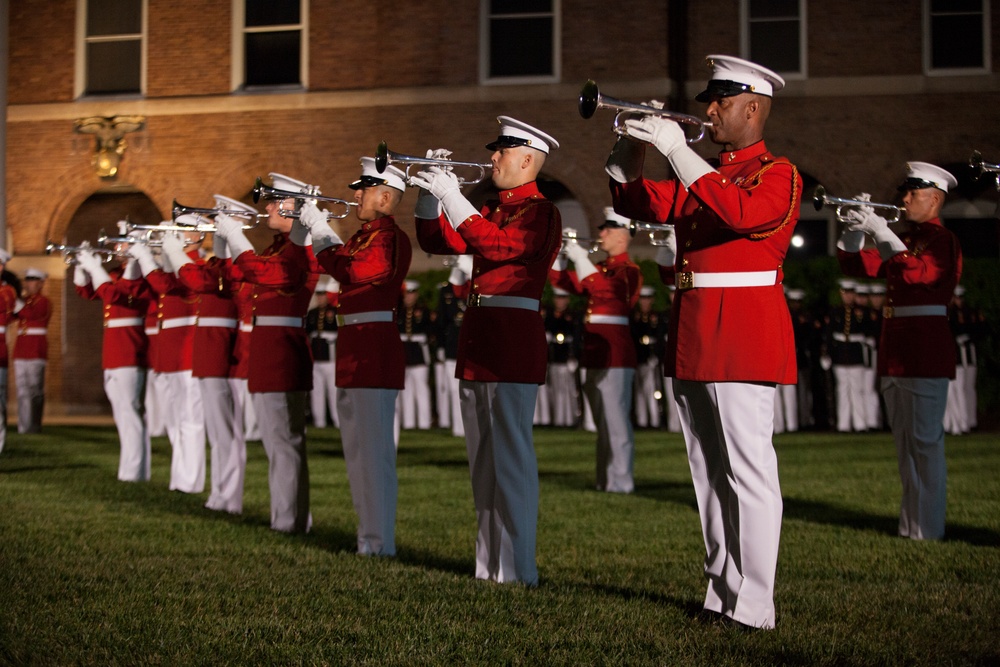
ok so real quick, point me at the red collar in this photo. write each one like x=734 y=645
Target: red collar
x=742 y=155
x=385 y=222
x=520 y=193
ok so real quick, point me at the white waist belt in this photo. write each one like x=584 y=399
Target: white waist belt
x=415 y=338
x=502 y=301
x=365 y=318
x=607 y=319
x=914 y=311
x=152 y=331
x=33 y=331
x=175 y=322
x=246 y=327
x=226 y=322
x=852 y=338
x=327 y=335
x=690 y=279
x=119 y=322
x=3 y=329
x=277 y=321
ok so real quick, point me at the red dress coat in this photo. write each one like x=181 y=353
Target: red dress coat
x=282 y=279
x=213 y=345
x=513 y=243
x=926 y=274
x=8 y=301
x=33 y=316
x=613 y=290
x=737 y=220
x=370 y=268
x=125 y=344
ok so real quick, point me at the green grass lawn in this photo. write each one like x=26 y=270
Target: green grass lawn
x=94 y=571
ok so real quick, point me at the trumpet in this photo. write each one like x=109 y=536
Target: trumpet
x=821 y=199
x=69 y=252
x=202 y=213
x=261 y=191
x=147 y=239
x=569 y=235
x=384 y=157
x=651 y=228
x=977 y=163
x=591 y=100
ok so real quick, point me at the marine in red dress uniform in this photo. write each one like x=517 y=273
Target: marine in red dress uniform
x=125 y=297
x=371 y=362
x=31 y=352
x=921 y=264
x=282 y=277
x=731 y=335
x=502 y=351
x=183 y=411
x=612 y=289
x=8 y=302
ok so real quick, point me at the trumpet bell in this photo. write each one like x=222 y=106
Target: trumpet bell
x=384 y=157
x=590 y=97
x=591 y=100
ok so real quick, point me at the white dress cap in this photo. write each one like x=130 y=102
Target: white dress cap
x=921 y=175
x=647 y=290
x=188 y=220
x=515 y=133
x=370 y=176
x=862 y=288
x=558 y=291
x=732 y=76
x=847 y=285
x=222 y=201
x=289 y=184
x=4 y=256
x=877 y=288
x=332 y=285
x=612 y=219
x=959 y=290
x=795 y=294
x=411 y=285
x=35 y=274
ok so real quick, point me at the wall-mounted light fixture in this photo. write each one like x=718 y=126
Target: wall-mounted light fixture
x=109 y=135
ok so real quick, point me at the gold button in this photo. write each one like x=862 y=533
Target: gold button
x=687 y=244
x=694 y=225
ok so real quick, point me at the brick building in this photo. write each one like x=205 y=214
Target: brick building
x=230 y=90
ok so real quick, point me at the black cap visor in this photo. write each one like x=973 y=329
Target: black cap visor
x=506 y=141
x=367 y=182
x=917 y=184
x=723 y=88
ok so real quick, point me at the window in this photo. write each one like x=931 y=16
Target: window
x=774 y=34
x=520 y=41
x=269 y=47
x=956 y=36
x=112 y=40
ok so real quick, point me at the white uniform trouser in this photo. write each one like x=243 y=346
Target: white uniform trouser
x=455 y=399
x=673 y=418
x=185 y=420
x=224 y=425
x=609 y=391
x=850 y=398
x=587 y=418
x=786 y=409
x=956 y=414
x=414 y=402
x=366 y=429
x=915 y=407
x=504 y=475
x=442 y=394
x=728 y=428
x=282 y=420
x=251 y=429
x=543 y=410
x=156 y=404
x=323 y=396
x=29 y=374
x=3 y=407
x=873 y=409
x=647 y=389
x=563 y=397
x=126 y=391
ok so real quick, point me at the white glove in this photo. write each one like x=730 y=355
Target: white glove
x=310 y=215
x=440 y=354
x=666 y=135
x=581 y=260
x=464 y=263
x=99 y=275
x=141 y=253
x=444 y=185
x=851 y=240
x=220 y=248
x=428 y=207
x=458 y=277
x=88 y=260
x=864 y=219
x=825 y=362
x=561 y=262
x=80 y=277
x=132 y=270
x=173 y=250
x=666 y=253
x=230 y=230
x=299 y=233
x=625 y=161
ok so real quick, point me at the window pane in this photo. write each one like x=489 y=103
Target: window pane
x=272 y=58
x=272 y=12
x=771 y=8
x=114 y=17
x=775 y=44
x=521 y=47
x=952 y=6
x=113 y=67
x=957 y=41
x=520 y=6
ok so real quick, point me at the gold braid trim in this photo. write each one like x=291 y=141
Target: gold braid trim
x=757 y=178
x=364 y=244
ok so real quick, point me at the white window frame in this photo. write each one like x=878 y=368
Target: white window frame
x=484 y=47
x=956 y=71
x=82 y=40
x=237 y=78
x=745 y=21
